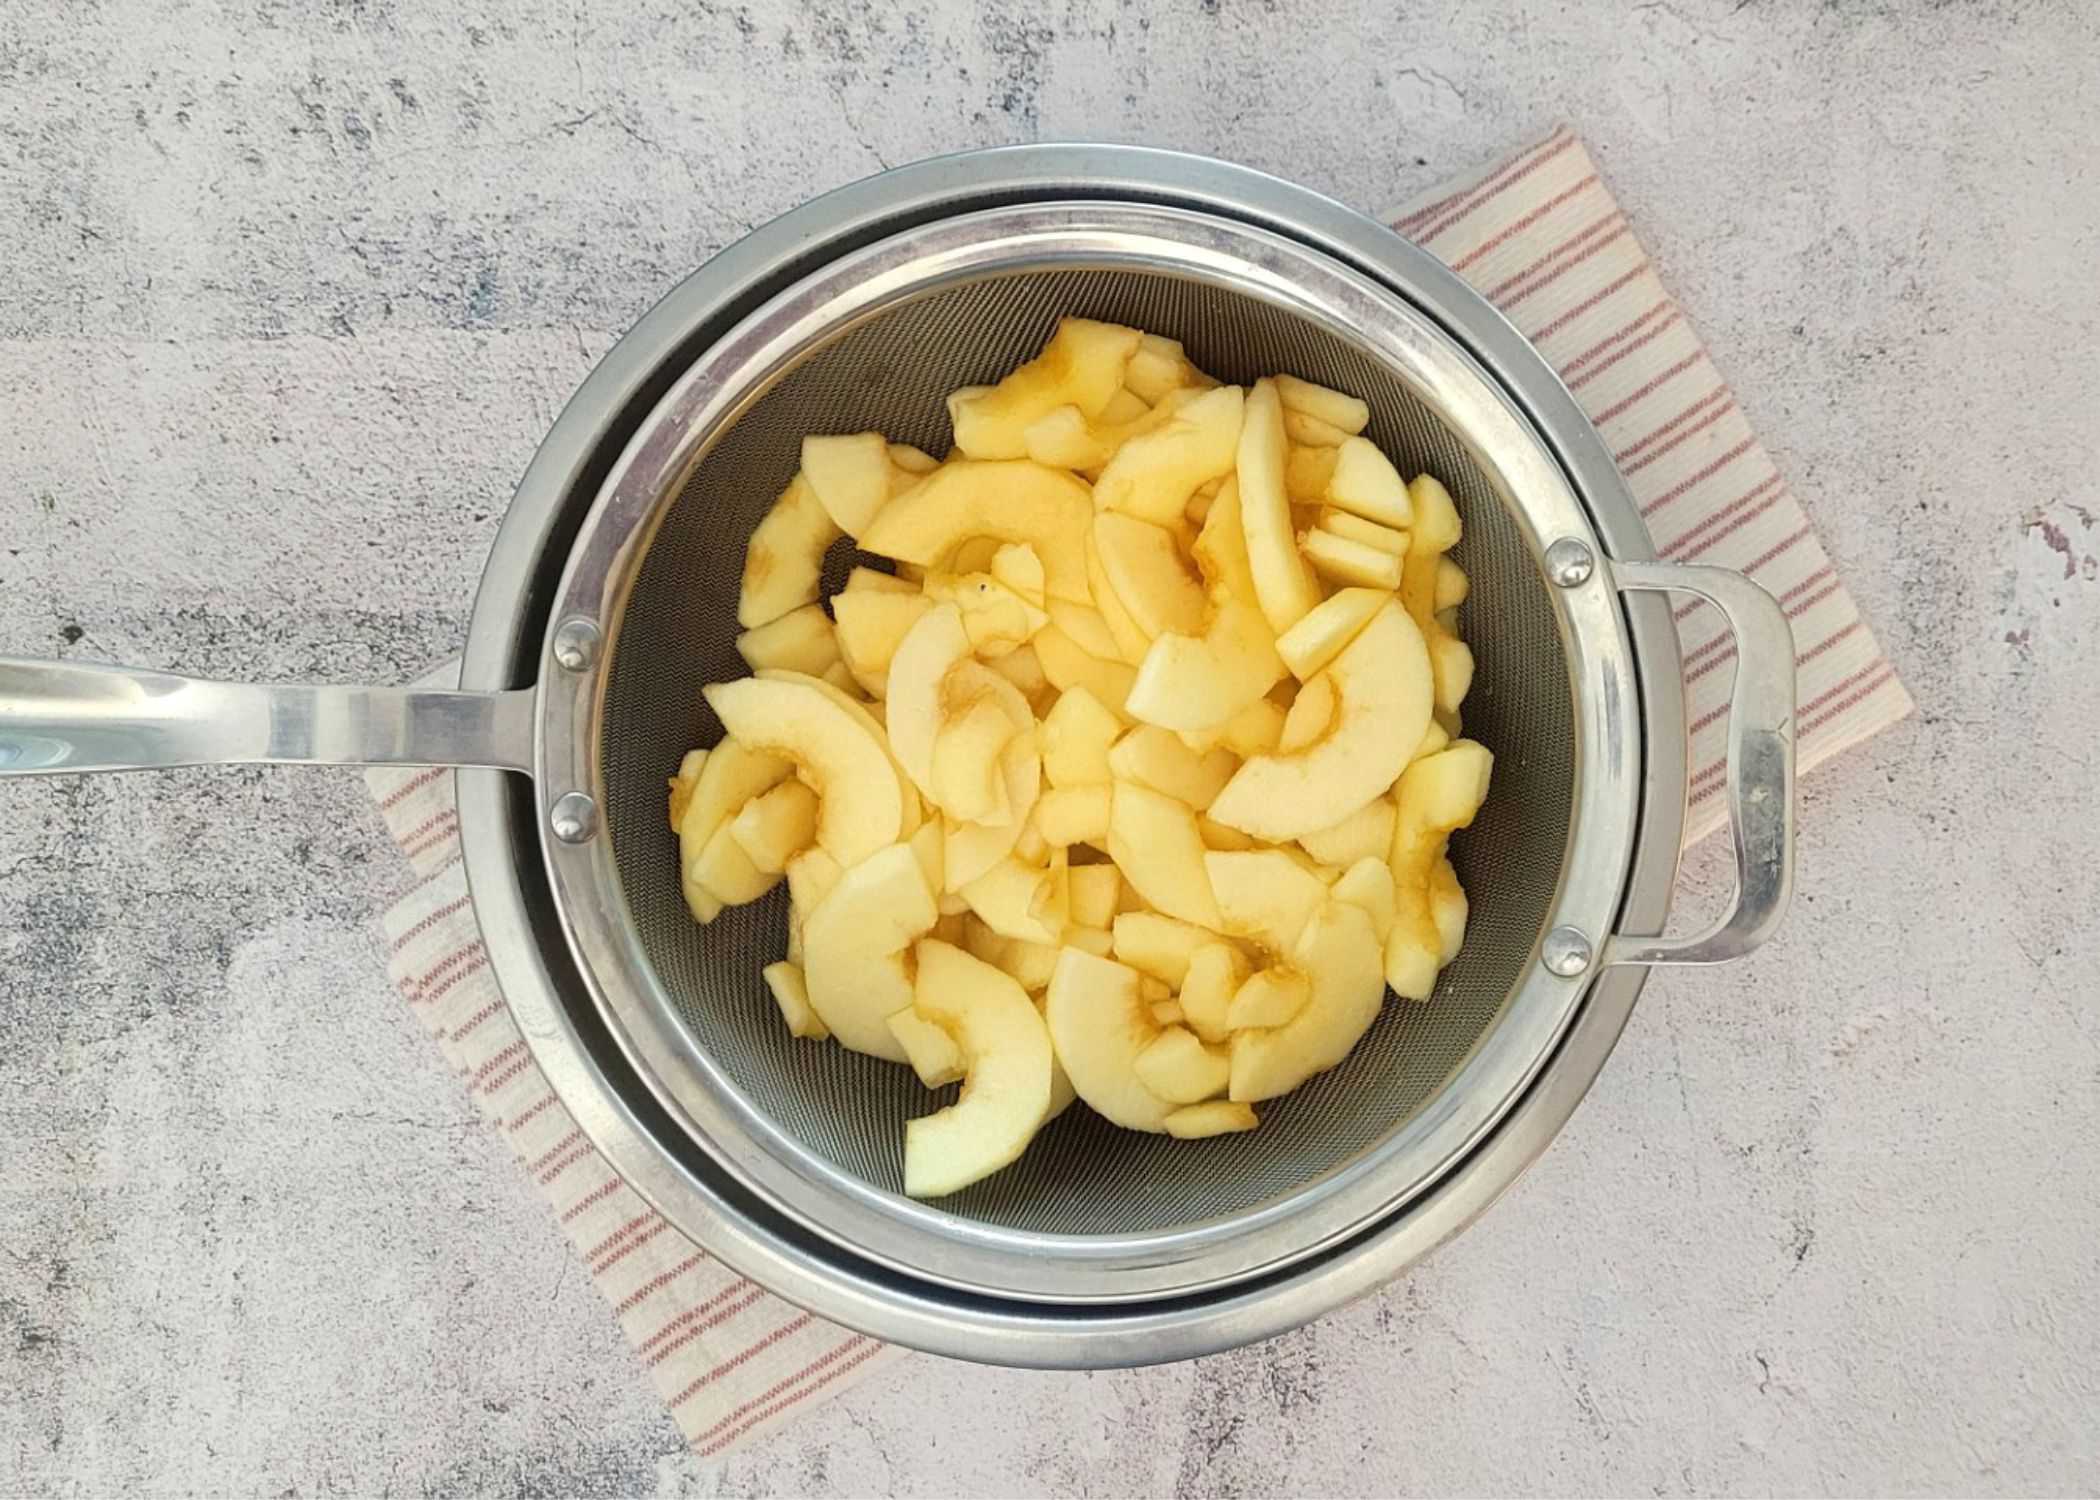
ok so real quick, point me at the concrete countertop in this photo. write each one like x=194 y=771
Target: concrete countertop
x=292 y=289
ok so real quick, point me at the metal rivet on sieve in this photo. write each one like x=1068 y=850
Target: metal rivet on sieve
x=576 y=644
x=1569 y=562
x=574 y=818
x=1566 y=952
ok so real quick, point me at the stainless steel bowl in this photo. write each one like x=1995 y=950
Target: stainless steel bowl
x=612 y=588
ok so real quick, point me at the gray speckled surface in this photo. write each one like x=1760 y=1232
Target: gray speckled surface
x=291 y=290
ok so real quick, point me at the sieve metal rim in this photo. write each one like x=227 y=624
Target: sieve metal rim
x=923 y=1240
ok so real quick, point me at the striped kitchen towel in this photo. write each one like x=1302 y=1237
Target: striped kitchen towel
x=1540 y=236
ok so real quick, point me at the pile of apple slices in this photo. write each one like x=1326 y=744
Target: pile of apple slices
x=1132 y=782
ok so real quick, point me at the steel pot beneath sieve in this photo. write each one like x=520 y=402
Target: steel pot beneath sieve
x=612 y=587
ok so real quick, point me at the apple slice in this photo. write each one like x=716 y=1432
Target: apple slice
x=1068 y=667
x=931 y=1051
x=1338 y=955
x=870 y=718
x=1383 y=696
x=1306 y=472
x=969 y=783
x=1153 y=474
x=1317 y=639
x=1160 y=946
x=1357 y=529
x=1012 y=501
x=1310 y=432
x=681 y=786
x=776 y=826
x=801 y=640
x=1368 y=883
x=1351 y=562
x=918 y=671
x=1195 y=1122
x=1018 y=901
x=1154 y=757
x=1166 y=1013
x=730 y=775
x=1366 y=484
x=1087 y=628
x=1006 y=1083
x=854 y=947
x=842 y=757
x=1076 y=738
x=1270 y=997
x=1202 y=682
x=1146 y=573
x=1348 y=413
x=1282 y=583
x=1074 y=815
x=1095 y=890
x=1263 y=895
x=1365 y=833
x=1067 y=439
x=1160 y=367
x=872 y=623
x=1311 y=716
x=1081 y=366
x=1437 y=794
x=1448 y=907
x=785 y=556
x=1153 y=840
x=1099 y=1023
x=727 y=874
x=1215 y=972
x=1131 y=643
x=852 y=475
x=1452 y=585
x=1024 y=669
x=1178 y=1067
x=996 y=619
x=784 y=981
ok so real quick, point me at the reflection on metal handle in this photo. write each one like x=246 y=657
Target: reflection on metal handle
x=1760 y=765
x=61 y=717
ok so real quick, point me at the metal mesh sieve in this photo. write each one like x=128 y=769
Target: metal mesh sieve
x=677 y=632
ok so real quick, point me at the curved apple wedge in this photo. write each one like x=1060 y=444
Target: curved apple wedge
x=1338 y=953
x=1384 y=695
x=839 y=753
x=1011 y=500
x=1198 y=682
x=1006 y=1057
x=854 y=946
x=1099 y=1024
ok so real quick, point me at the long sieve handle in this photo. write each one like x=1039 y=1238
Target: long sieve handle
x=59 y=717
x=1760 y=765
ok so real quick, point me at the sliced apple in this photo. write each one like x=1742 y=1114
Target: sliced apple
x=1202 y=682
x=1153 y=474
x=1159 y=945
x=1448 y=907
x=1310 y=432
x=1013 y=501
x=1351 y=562
x=1180 y=1068
x=1217 y=836
x=1263 y=895
x=1306 y=472
x=1215 y=972
x=855 y=947
x=853 y=476
x=1338 y=955
x=1365 y=833
x=1270 y=997
x=1318 y=638
x=969 y=782
x=784 y=982
x=1366 y=484
x=1068 y=667
x=1095 y=889
x=872 y=623
x=841 y=756
x=1282 y=583
x=1159 y=367
x=1437 y=794
x=1383 y=695
x=785 y=556
x=1368 y=883
x=1088 y=630
x=996 y=619
x=1452 y=585
x=1005 y=1097
x=1195 y=1122
x=1074 y=815
x=1154 y=757
x=726 y=873
x=731 y=775
x=1311 y=716
x=1017 y=901
x=930 y=1050
x=870 y=718
x=1024 y=669
x=1076 y=737
x=1082 y=365
x=918 y=670
x=682 y=785
x=1131 y=643
x=1153 y=839
x=1254 y=730
x=1349 y=413
x=1099 y=1024
x=1145 y=570
x=1068 y=439
x=776 y=826
x=1357 y=529
x=800 y=640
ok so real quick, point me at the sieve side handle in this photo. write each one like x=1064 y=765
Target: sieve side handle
x=63 y=717
x=1760 y=765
